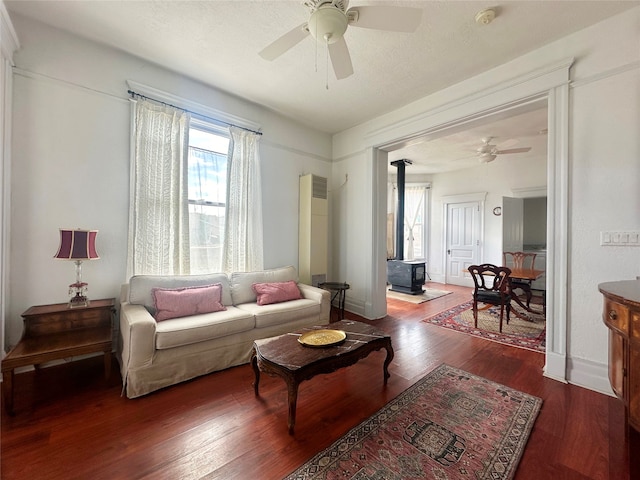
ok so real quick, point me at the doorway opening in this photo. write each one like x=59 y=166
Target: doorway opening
x=470 y=195
x=465 y=219
x=547 y=85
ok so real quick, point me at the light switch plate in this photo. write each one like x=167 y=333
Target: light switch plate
x=624 y=238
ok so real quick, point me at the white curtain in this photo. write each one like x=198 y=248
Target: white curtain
x=242 y=248
x=413 y=211
x=158 y=214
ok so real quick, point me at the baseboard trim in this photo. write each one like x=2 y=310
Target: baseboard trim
x=588 y=374
x=357 y=307
x=555 y=367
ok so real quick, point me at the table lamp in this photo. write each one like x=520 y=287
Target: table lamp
x=78 y=245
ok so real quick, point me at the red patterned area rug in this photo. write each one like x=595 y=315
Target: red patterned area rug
x=449 y=425
x=525 y=329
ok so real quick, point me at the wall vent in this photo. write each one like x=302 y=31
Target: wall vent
x=313 y=230
x=319 y=187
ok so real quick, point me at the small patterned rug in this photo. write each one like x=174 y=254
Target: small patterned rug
x=449 y=425
x=525 y=329
x=429 y=294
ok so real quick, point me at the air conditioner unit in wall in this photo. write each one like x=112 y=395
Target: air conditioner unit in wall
x=313 y=230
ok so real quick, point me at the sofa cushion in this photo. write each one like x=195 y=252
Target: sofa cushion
x=200 y=328
x=280 y=313
x=276 y=292
x=241 y=282
x=140 y=286
x=185 y=301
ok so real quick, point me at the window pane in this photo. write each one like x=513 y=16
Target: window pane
x=206 y=230
x=414 y=228
x=207 y=178
x=208 y=141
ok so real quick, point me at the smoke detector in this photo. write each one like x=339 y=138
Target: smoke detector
x=485 y=17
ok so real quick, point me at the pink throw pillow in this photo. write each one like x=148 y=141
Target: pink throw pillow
x=186 y=301
x=276 y=292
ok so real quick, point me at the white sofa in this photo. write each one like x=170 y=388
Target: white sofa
x=154 y=354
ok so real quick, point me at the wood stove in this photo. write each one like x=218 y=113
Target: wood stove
x=404 y=276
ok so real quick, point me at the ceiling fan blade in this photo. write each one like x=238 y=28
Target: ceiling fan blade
x=340 y=59
x=469 y=157
x=513 y=150
x=508 y=143
x=285 y=42
x=394 y=19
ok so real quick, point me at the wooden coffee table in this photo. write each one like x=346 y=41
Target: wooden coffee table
x=286 y=357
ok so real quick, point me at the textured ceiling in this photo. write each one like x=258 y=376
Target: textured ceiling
x=457 y=149
x=217 y=43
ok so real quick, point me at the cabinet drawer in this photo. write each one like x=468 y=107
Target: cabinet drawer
x=616 y=316
x=68 y=320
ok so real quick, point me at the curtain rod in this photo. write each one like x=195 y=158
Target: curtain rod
x=135 y=94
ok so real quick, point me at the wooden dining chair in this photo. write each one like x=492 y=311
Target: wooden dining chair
x=520 y=261
x=491 y=287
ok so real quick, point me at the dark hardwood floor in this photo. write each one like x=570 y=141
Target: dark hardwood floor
x=70 y=424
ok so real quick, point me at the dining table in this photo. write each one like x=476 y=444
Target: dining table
x=531 y=274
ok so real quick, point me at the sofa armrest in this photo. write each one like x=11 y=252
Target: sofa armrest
x=138 y=332
x=323 y=297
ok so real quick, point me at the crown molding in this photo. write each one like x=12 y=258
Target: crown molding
x=530 y=192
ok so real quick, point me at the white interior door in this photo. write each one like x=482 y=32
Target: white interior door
x=463 y=241
x=512 y=224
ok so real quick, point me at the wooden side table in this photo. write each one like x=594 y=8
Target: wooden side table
x=53 y=332
x=338 y=290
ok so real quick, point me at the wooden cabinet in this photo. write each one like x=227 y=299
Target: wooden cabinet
x=621 y=314
x=53 y=332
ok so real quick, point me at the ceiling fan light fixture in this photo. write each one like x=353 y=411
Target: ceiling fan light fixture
x=486 y=158
x=327 y=24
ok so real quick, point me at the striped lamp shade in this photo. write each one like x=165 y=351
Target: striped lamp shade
x=77 y=245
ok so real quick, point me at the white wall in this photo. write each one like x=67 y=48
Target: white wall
x=71 y=163
x=603 y=160
x=498 y=179
x=605 y=186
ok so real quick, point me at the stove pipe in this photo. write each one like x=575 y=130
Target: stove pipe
x=400 y=165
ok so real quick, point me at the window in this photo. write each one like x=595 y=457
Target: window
x=207 y=178
x=415 y=227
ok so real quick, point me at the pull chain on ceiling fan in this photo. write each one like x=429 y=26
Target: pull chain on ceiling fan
x=329 y=21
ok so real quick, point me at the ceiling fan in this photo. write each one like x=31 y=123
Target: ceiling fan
x=488 y=152
x=328 y=21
